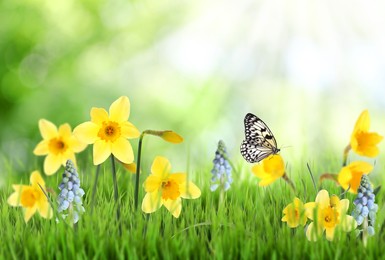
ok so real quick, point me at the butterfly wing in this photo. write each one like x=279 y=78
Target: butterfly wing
x=256 y=130
x=252 y=152
x=260 y=141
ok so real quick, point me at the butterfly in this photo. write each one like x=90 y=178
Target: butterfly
x=259 y=142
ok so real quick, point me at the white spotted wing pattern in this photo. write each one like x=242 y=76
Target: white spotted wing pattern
x=259 y=142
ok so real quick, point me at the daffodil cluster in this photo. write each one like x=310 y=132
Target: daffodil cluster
x=327 y=213
x=366 y=208
x=221 y=172
x=70 y=197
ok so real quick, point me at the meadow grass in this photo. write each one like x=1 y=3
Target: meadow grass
x=246 y=225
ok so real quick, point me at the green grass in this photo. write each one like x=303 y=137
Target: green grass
x=247 y=225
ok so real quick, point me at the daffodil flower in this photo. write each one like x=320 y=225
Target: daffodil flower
x=362 y=141
x=350 y=175
x=294 y=214
x=269 y=170
x=31 y=198
x=328 y=214
x=58 y=144
x=171 y=136
x=108 y=132
x=168 y=189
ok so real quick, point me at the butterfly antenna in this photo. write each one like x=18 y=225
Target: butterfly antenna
x=283 y=147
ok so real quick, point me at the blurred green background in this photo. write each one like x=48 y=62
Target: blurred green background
x=307 y=68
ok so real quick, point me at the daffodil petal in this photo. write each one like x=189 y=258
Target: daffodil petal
x=52 y=163
x=76 y=145
x=310 y=232
x=151 y=202
x=87 y=132
x=323 y=199
x=36 y=179
x=330 y=233
x=14 y=199
x=348 y=223
x=310 y=207
x=344 y=177
x=259 y=171
x=152 y=183
x=174 y=206
x=47 y=129
x=45 y=209
x=267 y=181
x=374 y=138
x=368 y=151
x=344 y=205
x=189 y=190
x=122 y=150
x=131 y=167
x=29 y=212
x=172 y=137
x=65 y=131
x=178 y=177
x=41 y=148
x=101 y=151
x=120 y=109
x=161 y=167
x=274 y=165
x=363 y=122
x=129 y=130
x=98 y=115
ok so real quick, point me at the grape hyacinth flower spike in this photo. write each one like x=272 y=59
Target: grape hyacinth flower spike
x=222 y=169
x=366 y=209
x=70 y=197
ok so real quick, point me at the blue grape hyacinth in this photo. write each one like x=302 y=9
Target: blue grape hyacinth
x=222 y=169
x=70 y=197
x=366 y=208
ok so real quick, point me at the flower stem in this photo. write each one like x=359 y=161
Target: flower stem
x=136 y=192
x=291 y=184
x=94 y=188
x=116 y=196
x=345 y=157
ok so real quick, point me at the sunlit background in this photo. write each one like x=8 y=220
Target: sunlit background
x=307 y=68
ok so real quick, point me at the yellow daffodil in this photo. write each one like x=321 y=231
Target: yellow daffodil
x=328 y=214
x=269 y=170
x=109 y=132
x=171 y=137
x=362 y=141
x=164 y=188
x=31 y=198
x=351 y=175
x=294 y=214
x=58 y=144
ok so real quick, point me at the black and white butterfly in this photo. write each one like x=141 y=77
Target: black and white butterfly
x=259 y=142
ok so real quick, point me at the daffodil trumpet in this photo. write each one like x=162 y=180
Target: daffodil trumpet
x=166 y=135
x=271 y=169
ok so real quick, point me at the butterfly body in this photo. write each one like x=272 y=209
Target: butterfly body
x=259 y=141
